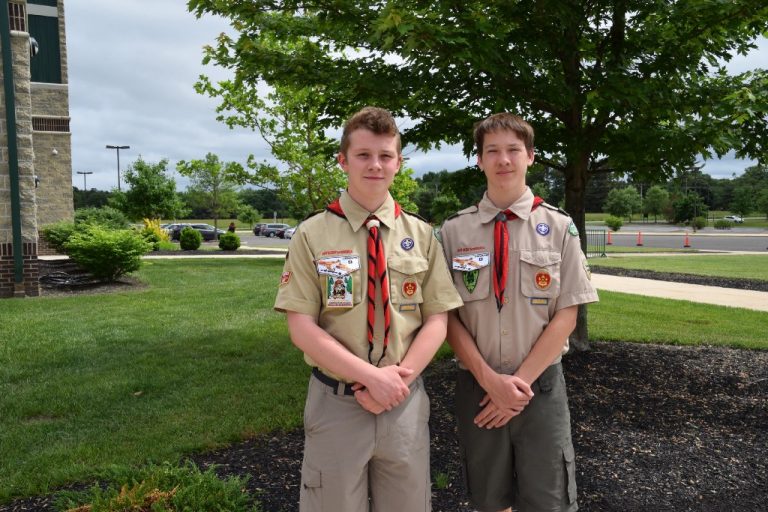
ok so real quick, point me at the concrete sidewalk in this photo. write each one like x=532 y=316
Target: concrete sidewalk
x=747 y=299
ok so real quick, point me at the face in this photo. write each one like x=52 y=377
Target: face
x=371 y=162
x=504 y=161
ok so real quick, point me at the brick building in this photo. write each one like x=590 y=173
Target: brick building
x=38 y=170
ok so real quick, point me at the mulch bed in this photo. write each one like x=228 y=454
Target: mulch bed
x=655 y=427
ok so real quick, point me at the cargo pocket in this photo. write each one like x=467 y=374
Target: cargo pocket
x=406 y=276
x=311 y=494
x=540 y=273
x=569 y=460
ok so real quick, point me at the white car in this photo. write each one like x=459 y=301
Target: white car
x=288 y=233
x=734 y=218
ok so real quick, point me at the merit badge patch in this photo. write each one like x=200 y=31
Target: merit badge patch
x=409 y=288
x=542 y=279
x=339 y=290
x=407 y=244
x=470 y=262
x=470 y=279
x=573 y=230
x=542 y=229
x=338 y=266
x=285 y=278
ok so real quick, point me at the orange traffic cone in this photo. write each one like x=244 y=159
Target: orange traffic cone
x=610 y=241
x=639 y=238
x=686 y=243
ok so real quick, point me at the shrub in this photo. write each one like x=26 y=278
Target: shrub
x=229 y=242
x=723 y=224
x=105 y=216
x=58 y=234
x=107 y=254
x=699 y=222
x=162 y=487
x=190 y=239
x=614 y=223
x=154 y=234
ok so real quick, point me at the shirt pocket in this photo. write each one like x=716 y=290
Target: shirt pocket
x=472 y=284
x=406 y=276
x=340 y=282
x=540 y=273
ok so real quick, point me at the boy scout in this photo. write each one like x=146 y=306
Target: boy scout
x=519 y=269
x=366 y=290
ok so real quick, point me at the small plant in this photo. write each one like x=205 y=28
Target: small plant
x=723 y=224
x=58 y=234
x=442 y=480
x=154 y=234
x=162 y=488
x=613 y=222
x=107 y=254
x=229 y=242
x=104 y=216
x=699 y=222
x=190 y=239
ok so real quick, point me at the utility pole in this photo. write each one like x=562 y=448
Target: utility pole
x=118 y=148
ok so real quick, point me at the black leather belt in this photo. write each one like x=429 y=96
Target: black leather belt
x=339 y=388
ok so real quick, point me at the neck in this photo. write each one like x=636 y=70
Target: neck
x=502 y=198
x=371 y=204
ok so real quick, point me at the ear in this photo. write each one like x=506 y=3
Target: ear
x=531 y=157
x=342 y=161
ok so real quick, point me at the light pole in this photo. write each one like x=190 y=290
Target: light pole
x=85 y=173
x=118 y=148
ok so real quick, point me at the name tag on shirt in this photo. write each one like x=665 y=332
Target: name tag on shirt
x=470 y=262
x=338 y=266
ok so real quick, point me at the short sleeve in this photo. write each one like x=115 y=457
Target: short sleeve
x=439 y=293
x=575 y=285
x=299 y=288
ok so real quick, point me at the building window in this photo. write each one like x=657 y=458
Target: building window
x=18 y=17
x=50 y=124
x=46 y=66
x=51 y=3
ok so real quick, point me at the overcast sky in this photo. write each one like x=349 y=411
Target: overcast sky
x=132 y=66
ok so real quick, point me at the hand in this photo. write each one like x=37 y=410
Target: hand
x=387 y=387
x=366 y=401
x=509 y=392
x=492 y=416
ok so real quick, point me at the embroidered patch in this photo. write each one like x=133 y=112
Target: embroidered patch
x=573 y=230
x=537 y=301
x=285 y=278
x=542 y=229
x=409 y=288
x=407 y=307
x=542 y=279
x=470 y=279
x=339 y=291
x=338 y=266
x=407 y=244
x=469 y=262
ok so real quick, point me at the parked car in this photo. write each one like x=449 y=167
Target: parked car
x=271 y=230
x=257 y=228
x=209 y=232
x=734 y=218
x=288 y=233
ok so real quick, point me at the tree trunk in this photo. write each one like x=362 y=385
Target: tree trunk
x=575 y=191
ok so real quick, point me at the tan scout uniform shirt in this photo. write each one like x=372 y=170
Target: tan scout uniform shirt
x=326 y=274
x=547 y=272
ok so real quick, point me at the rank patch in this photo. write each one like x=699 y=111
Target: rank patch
x=542 y=229
x=572 y=229
x=470 y=279
x=407 y=244
x=338 y=266
x=285 y=278
x=542 y=279
x=339 y=290
x=409 y=287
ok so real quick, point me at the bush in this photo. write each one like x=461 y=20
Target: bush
x=58 y=234
x=614 y=223
x=229 y=242
x=723 y=224
x=190 y=239
x=107 y=254
x=106 y=216
x=160 y=488
x=154 y=234
x=699 y=222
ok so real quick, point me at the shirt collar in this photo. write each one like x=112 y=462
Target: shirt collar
x=522 y=207
x=357 y=215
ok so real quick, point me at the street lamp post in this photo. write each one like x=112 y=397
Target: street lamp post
x=85 y=173
x=118 y=148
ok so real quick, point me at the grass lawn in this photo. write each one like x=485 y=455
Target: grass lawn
x=197 y=359
x=735 y=265
x=613 y=249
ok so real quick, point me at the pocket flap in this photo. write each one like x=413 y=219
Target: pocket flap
x=408 y=266
x=311 y=478
x=540 y=258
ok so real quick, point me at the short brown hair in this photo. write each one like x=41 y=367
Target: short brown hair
x=503 y=121
x=375 y=119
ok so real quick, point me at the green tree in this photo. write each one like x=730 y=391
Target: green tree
x=598 y=80
x=90 y=198
x=743 y=201
x=688 y=206
x=656 y=200
x=623 y=202
x=214 y=183
x=762 y=202
x=540 y=189
x=248 y=214
x=443 y=206
x=403 y=189
x=151 y=194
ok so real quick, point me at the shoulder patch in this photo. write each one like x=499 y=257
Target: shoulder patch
x=471 y=209
x=555 y=209
x=412 y=214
